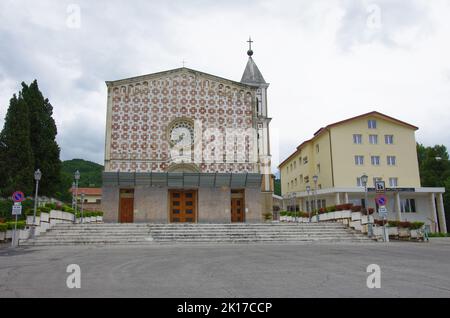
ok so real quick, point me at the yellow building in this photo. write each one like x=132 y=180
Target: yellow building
x=372 y=144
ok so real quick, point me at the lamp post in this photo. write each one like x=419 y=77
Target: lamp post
x=364 y=180
x=73 y=195
x=82 y=201
x=315 y=179
x=308 y=206
x=294 y=200
x=37 y=177
x=77 y=177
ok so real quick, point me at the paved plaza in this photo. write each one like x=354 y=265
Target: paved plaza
x=257 y=270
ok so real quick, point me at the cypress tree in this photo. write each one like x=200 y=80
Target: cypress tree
x=43 y=133
x=16 y=155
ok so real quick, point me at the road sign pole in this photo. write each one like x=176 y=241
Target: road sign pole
x=386 y=235
x=13 y=242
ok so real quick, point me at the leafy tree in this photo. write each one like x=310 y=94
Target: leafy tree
x=43 y=133
x=16 y=155
x=434 y=166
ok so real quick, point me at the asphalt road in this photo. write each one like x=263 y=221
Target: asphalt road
x=301 y=270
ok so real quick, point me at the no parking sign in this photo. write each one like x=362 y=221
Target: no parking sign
x=18 y=196
x=381 y=200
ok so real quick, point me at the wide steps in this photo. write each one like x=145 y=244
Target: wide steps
x=108 y=234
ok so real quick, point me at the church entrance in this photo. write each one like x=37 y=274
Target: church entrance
x=126 y=208
x=237 y=206
x=183 y=206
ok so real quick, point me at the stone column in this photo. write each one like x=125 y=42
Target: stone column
x=398 y=208
x=346 y=197
x=441 y=213
x=338 y=198
x=433 y=212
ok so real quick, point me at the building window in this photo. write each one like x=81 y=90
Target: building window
x=375 y=160
x=317 y=148
x=393 y=182
x=305 y=160
x=300 y=161
x=373 y=139
x=372 y=123
x=359 y=160
x=295 y=181
x=307 y=179
x=318 y=168
x=295 y=164
x=389 y=139
x=408 y=205
x=288 y=185
x=357 y=139
x=359 y=182
x=391 y=160
x=301 y=178
x=376 y=179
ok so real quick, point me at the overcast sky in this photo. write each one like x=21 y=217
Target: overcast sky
x=325 y=60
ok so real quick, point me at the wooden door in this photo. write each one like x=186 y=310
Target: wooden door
x=183 y=206
x=126 y=210
x=237 y=210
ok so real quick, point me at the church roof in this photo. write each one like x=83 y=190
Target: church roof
x=252 y=75
x=177 y=70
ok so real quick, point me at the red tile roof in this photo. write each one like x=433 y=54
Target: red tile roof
x=89 y=191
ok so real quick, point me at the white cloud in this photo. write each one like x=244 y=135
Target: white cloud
x=323 y=62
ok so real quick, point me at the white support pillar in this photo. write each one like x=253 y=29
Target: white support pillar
x=346 y=197
x=441 y=213
x=338 y=198
x=398 y=208
x=433 y=212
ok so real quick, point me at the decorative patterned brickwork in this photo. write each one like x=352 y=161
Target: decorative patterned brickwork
x=142 y=111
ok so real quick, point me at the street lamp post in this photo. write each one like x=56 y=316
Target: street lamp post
x=37 y=177
x=73 y=195
x=294 y=200
x=82 y=201
x=77 y=177
x=364 y=180
x=315 y=179
x=308 y=206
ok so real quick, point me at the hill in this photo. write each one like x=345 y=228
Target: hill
x=90 y=173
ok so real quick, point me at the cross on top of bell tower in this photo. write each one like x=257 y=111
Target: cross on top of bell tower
x=250 y=51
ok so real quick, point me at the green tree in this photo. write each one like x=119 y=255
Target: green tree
x=434 y=166
x=16 y=155
x=43 y=133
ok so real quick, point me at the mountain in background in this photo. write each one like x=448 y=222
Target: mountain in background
x=90 y=173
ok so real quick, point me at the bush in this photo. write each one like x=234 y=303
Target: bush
x=3 y=227
x=283 y=213
x=433 y=234
x=356 y=208
x=416 y=225
x=45 y=209
x=51 y=206
x=20 y=225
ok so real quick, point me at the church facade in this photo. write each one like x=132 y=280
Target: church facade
x=183 y=146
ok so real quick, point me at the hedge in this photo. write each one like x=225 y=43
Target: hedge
x=3 y=227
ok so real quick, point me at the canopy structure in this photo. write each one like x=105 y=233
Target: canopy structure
x=183 y=179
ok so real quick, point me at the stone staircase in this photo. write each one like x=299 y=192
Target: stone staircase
x=101 y=234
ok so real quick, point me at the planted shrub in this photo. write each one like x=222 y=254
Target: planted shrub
x=416 y=225
x=3 y=227
x=356 y=208
x=20 y=225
